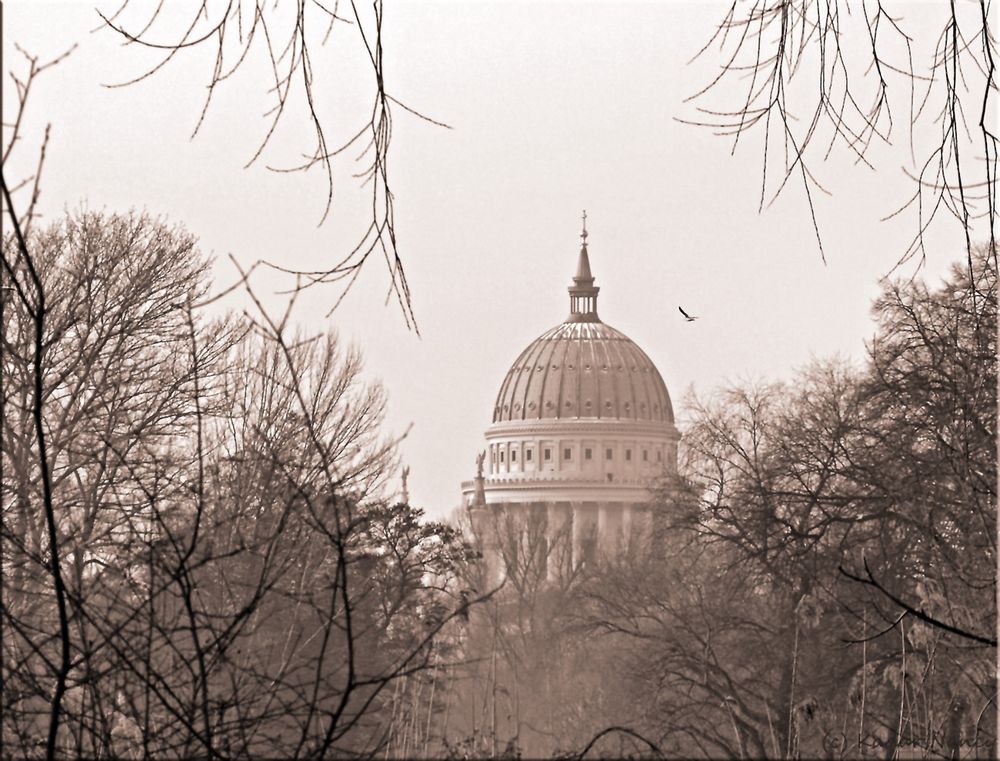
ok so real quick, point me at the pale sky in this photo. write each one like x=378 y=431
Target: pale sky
x=555 y=108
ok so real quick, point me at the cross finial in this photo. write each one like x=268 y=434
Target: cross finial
x=583 y=235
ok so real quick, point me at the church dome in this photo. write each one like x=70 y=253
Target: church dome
x=583 y=420
x=583 y=369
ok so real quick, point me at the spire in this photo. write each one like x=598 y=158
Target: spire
x=583 y=276
x=583 y=293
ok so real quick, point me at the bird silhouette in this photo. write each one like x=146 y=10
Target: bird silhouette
x=687 y=317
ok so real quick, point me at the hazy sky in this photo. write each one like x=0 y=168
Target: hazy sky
x=554 y=108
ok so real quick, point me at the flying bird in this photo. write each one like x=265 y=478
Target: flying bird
x=687 y=317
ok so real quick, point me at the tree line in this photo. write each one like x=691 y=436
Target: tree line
x=203 y=554
x=820 y=581
x=201 y=506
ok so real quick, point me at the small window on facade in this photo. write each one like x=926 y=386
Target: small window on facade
x=567 y=454
x=607 y=454
x=527 y=455
x=628 y=454
x=513 y=456
x=659 y=456
x=587 y=454
x=501 y=455
x=645 y=455
x=548 y=454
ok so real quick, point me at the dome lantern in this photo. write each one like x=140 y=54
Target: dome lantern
x=583 y=292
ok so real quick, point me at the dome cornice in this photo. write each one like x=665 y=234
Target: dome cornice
x=564 y=489
x=582 y=427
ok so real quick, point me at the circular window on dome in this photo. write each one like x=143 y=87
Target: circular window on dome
x=539 y=368
x=549 y=405
x=568 y=404
x=620 y=368
x=608 y=404
x=628 y=406
x=604 y=368
x=587 y=404
x=531 y=405
x=517 y=407
x=656 y=408
x=555 y=366
x=570 y=366
x=586 y=367
x=642 y=406
x=505 y=408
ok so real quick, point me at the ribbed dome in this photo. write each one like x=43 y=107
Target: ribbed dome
x=583 y=370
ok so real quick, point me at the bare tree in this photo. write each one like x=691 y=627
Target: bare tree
x=286 y=36
x=230 y=577
x=811 y=79
x=930 y=459
x=204 y=500
x=884 y=475
x=21 y=285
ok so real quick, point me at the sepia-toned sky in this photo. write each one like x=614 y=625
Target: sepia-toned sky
x=553 y=108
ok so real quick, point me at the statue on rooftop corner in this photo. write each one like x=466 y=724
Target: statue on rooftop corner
x=480 y=458
x=406 y=492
